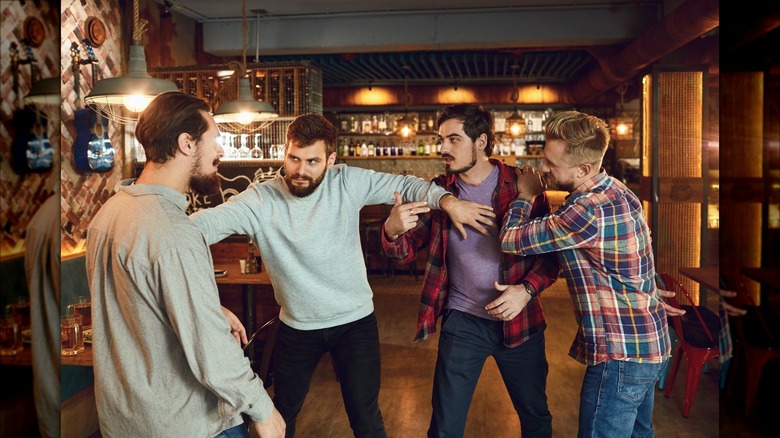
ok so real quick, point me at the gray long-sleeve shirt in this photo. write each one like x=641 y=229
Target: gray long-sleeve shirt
x=165 y=361
x=311 y=245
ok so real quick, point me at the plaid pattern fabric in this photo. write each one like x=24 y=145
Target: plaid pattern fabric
x=603 y=244
x=433 y=229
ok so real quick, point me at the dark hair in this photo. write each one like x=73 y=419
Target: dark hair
x=476 y=121
x=586 y=136
x=305 y=130
x=168 y=116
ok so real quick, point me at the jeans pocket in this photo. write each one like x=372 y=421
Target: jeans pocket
x=635 y=379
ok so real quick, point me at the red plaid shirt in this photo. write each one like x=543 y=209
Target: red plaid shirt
x=433 y=229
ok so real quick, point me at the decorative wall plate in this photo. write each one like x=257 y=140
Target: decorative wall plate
x=34 y=31
x=95 y=31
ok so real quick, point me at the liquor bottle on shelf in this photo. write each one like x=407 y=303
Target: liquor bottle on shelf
x=427 y=149
x=420 y=148
x=363 y=149
x=344 y=124
x=438 y=145
x=374 y=124
x=355 y=125
x=352 y=149
x=371 y=148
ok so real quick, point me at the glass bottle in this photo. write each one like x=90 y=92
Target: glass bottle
x=251 y=258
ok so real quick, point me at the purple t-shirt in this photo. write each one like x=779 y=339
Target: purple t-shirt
x=473 y=264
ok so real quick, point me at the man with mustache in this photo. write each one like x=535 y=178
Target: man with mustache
x=165 y=361
x=487 y=300
x=603 y=243
x=305 y=223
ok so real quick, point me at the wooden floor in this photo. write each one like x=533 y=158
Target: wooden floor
x=407 y=376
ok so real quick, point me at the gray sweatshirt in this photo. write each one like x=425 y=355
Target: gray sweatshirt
x=311 y=246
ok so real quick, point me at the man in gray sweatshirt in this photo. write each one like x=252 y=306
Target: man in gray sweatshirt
x=305 y=223
x=165 y=361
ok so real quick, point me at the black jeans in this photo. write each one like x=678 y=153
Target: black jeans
x=355 y=351
x=466 y=341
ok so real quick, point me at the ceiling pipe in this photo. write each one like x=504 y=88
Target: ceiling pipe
x=689 y=21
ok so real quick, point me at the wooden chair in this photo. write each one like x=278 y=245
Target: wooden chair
x=696 y=340
x=261 y=363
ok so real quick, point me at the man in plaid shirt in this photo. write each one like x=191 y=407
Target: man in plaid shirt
x=603 y=244
x=489 y=300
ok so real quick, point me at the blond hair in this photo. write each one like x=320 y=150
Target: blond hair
x=586 y=136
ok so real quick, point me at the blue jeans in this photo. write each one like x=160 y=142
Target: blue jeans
x=355 y=351
x=240 y=431
x=617 y=399
x=466 y=341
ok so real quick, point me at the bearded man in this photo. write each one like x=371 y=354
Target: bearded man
x=487 y=300
x=165 y=361
x=305 y=223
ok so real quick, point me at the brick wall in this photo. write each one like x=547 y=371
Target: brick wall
x=83 y=194
x=22 y=194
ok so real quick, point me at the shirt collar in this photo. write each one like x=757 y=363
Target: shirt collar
x=131 y=188
x=588 y=185
x=506 y=174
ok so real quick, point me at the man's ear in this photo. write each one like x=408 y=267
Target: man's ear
x=482 y=141
x=583 y=169
x=331 y=160
x=185 y=144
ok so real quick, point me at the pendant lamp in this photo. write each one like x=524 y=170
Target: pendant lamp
x=515 y=123
x=406 y=126
x=241 y=113
x=122 y=99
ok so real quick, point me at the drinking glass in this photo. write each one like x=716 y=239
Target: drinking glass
x=10 y=334
x=71 y=335
x=82 y=307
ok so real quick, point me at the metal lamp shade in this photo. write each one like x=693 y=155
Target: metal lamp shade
x=45 y=92
x=112 y=95
x=245 y=109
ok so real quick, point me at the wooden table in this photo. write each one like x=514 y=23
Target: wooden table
x=247 y=282
x=21 y=358
x=708 y=277
x=83 y=359
x=24 y=358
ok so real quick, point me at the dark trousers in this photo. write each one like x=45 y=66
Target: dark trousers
x=355 y=351
x=465 y=343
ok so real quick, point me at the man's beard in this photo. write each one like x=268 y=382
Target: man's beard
x=553 y=184
x=303 y=192
x=450 y=171
x=203 y=184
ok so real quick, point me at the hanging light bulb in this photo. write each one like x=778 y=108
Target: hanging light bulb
x=624 y=125
x=121 y=99
x=515 y=123
x=406 y=126
x=246 y=109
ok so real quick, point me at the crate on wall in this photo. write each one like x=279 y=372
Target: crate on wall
x=292 y=88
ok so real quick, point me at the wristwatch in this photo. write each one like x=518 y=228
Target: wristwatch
x=530 y=289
